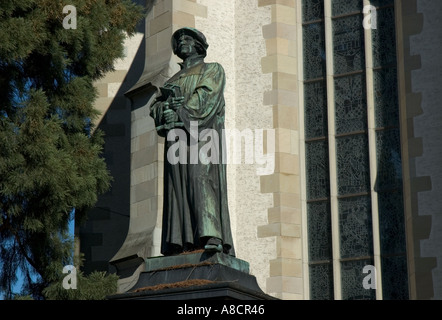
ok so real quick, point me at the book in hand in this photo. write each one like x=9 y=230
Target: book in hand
x=168 y=92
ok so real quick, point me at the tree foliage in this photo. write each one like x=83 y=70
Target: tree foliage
x=96 y=286
x=50 y=151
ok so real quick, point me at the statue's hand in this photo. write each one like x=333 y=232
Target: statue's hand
x=175 y=103
x=170 y=116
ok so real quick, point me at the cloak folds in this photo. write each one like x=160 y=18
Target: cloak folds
x=195 y=195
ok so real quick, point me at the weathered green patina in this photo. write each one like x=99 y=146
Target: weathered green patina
x=195 y=211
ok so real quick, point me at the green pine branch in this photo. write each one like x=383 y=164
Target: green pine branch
x=50 y=151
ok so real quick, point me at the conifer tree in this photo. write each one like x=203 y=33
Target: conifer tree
x=50 y=151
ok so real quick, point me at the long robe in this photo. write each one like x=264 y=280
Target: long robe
x=195 y=195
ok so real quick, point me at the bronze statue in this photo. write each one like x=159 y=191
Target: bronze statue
x=190 y=109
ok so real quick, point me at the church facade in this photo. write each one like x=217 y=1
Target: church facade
x=336 y=107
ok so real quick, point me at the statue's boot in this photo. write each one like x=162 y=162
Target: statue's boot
x=214 y=245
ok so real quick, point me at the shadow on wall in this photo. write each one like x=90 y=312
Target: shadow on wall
x=107 y=225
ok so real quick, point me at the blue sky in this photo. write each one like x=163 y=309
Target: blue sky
x=19 y=283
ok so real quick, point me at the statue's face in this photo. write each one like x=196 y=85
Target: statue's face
x=186 y=47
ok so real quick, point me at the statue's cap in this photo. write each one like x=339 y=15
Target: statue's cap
x=195 y=34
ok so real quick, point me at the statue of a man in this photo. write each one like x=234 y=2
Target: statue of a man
x=195 y=211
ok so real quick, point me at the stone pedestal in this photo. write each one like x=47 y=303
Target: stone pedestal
x=195 y=276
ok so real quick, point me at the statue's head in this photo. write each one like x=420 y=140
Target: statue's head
x=200 y=42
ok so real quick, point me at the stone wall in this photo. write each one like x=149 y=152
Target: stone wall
x=233 y=30
x=420 y=74
x=107 y=224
